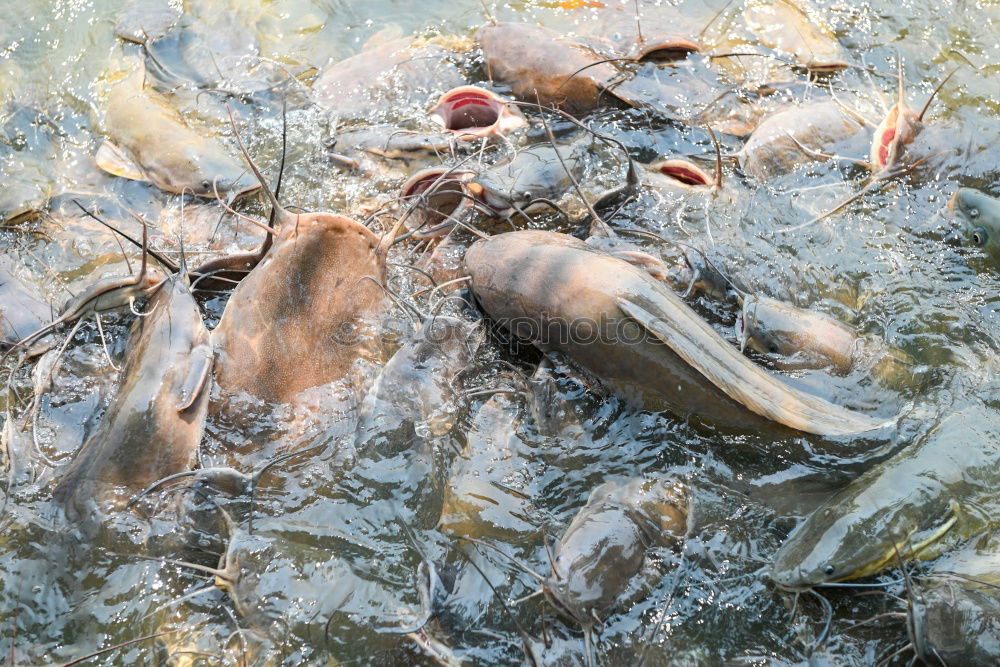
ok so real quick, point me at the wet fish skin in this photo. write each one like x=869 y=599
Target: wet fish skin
x=770 y=152
x=22 y=308
x=918 y=495
x=305 y=313
x=776 y=328
x=154 y=425
x=415 y=386
x=605 y=544
x=954 y=608
x=539 y=65
x=788 y=27
x=488 y=492
x=529 y=174
x=145 y=128
x=981 y=215
x=534 y=282
x=399 y=72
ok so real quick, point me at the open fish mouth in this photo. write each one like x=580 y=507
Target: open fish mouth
x=445 y=198
x=683 y=172
x=471 y=111
x=668 y=49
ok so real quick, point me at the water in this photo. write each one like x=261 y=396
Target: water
x=342 y=547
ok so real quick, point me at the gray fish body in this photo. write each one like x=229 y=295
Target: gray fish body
x=22 y=309
x=957 y=624
x=531 y=173
x=154 y=425
x=934 y=487
x=772 y=151
x=393 y=143
x=605 y=545
x=492 y=482
x=564 y=296
x=407 y=414
x=955 y=607
x=414 y=391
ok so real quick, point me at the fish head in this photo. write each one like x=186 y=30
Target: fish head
x=870 y=525
x=535 y=172
x=471 y=112
x=954 y=622
x=598 y=555
x=439 y=197
x=752 y=330
x=209 y=172
x=772 y=327
x=981 y=214
x=896 y=131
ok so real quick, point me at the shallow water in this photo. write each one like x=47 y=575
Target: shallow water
x=341 y=546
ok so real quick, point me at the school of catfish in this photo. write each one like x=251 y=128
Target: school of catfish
x=332 y=425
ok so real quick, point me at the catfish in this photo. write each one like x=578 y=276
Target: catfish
x=149 y=141
x=155 y=423
x=563 y=295
x=308 y=311
x=400 y=72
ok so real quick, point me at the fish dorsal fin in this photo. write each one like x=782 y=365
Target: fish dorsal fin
x=739 y=378
x=113 y=160
x=199 y=373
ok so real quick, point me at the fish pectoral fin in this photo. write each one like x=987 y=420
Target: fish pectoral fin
x=113 y=160
x=197 y=378
x=694 y=341
x=654 y=266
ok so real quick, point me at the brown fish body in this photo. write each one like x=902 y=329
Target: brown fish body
x=539 y=65
x=773 y=327
x=151 y=141
x=632 y=331
x=788 y=27
x=772 y=151
x=154 y=425
x=305 y=313
x=401 y=71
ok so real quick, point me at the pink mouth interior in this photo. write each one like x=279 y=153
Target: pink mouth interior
x=684 y=175
x=469 y=111
x=883 y=149
x=442 y=202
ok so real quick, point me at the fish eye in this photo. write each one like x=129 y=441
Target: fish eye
x=828 y=570
x=206 y=184
x=772 y=348
x=973 y=212
x=979 y=237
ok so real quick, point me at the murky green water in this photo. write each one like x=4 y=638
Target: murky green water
x=335 y=553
